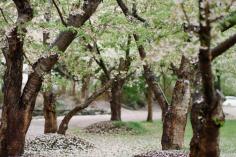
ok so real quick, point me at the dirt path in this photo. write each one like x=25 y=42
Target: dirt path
x=37 y=124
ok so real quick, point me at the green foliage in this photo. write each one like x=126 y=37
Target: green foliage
x=135 y=127
x=134 y=94
x=218 y=122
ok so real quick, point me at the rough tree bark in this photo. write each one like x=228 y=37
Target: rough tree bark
x=49 y=107
x=149 y=97
x=116 y=93
x=176 y=116
x=64 y=124
x=207 y=114
x=49 y=110
x=18 y=106
x=14 y=120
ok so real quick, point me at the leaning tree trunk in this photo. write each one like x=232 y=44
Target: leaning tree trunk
x=151 y=79
x=149 y=97
x=148 y=73
x=176 y=116
x=49 y=110
x=116 y=93
x=65 y=121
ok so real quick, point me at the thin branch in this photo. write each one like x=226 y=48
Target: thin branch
x=185 y=13
x=135 y=14
x=4 y=17
x=129 y=14
x=230 y=5
x=59 y=13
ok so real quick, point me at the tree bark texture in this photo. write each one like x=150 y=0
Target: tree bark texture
x=176 y=116
x=207 y=114
x=85 y=87
x=116 y=93
x=18 y=106
x=149 y=97
x=49 y=110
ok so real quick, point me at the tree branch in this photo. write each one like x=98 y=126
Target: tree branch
x=25 y=12
x=45 y=64
x=228 y=22
x=4 y=17
x=64 y=124
x=148 y=73
x=185 y=13
x=59 y=13
x=223 y=47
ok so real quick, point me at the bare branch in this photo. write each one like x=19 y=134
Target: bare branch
x=185 y=13
x=135 y=14
x=59 y=13
x=4 y=17
x=129 y=14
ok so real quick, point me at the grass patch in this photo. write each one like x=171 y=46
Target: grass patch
x=136 y=127
x=150 y=134
x=227 y=134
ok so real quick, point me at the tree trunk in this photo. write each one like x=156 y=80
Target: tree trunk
x=151 y=80
x=49 y=110
x=65 y=122
x=73 y=92
x=149 y=96
x=148 y=73
x=85 y=87
x=18 y=106
x=116 y=93
x=176 y=116
x=207 y=114
x=206 y=126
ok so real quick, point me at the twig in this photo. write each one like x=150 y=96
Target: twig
x=230 y=5
x=59 y=13
x=135 y=14
x=185 y=13
x=4 y=16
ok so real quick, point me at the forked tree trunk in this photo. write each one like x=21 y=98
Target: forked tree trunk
x=49 y=110
x=176 y=116
x=207 y=114
x=116 y=93
x=18 y=106
x=149 y=97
